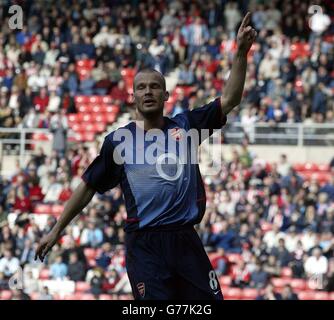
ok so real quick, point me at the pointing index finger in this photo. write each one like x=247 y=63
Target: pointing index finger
x=246 y=20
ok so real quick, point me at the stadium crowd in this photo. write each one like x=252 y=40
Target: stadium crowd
x=266 y=215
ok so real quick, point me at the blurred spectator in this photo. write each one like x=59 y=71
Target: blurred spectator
x=58 y=269
x=76 y=268
x=45 y=295
x=104 y=258
x=259 y=277
x=8 y=263
x=288 y=294
x=222 y=262
x=330 y=276
x=240 y=275
x=317 y=264
x=281 y=253
x=91 y=236
x=272 y=266
x=269 y=293
x=96 y=281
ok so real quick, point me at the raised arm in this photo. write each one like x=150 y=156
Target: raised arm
x=79 y=200
x=234 y=87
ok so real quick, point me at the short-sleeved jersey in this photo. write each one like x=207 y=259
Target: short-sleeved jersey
x=170 y=194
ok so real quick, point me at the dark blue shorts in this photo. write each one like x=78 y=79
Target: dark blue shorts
x=170 y=264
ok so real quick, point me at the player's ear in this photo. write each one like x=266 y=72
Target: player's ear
x=166 y=95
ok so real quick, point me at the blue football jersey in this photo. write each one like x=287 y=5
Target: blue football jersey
x=158 y=191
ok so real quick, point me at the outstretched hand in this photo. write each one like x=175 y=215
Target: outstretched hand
x=246 y=34
x=45 y=245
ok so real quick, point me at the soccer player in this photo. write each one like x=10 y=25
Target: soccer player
x=165 y=258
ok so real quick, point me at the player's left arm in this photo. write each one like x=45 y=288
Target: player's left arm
x=234 y=87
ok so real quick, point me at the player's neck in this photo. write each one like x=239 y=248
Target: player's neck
x=156 y=122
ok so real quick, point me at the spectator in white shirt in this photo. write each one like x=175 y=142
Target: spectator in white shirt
x=291 y=239
x=308 y=239
x=9 y=264
x=271 y=237
x=283 y=167
x=317 y=263
x=53 y=190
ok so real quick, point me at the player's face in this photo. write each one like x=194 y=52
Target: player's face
x=149 y=93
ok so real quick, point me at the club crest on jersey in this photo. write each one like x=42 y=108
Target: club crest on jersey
x=176 y=134
x=141 y=289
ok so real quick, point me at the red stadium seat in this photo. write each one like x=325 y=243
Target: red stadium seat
x=74 y=117
x=84 y=108
x=88 y=136
x=57 y=209
x=249 y=294
x=298 y=284
x=313 y=295
x=305 y=295
x=83 y=73
x=128 y=72
x=97 y=108
x=73 y=296
x=125 y=297
x=106 y=99
x=85 y=63
x=41 y=137
x=87 y=117
x=44 y=274
x=105 y=297
x=95 y=99
x=111 y=117
x=279 y=282
x=76 y=127
x=87 y=296
x=323 y=177
x=88 y=127
x=321 y=295
x=298 y=166
x=99 y=117
x=110 y=109
x=233 y=294
x=81 y=99
x=99 y=127
x=323 y=168
x=310 y=167
x=5 y=295
x=82 y=286
x=42 y=208
x=299 y=49
x=225 y=280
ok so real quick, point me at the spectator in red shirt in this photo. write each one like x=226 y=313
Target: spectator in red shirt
x=22 y=202
x=35 y=192
x=119 y=92
x=221 y=262
x=41 y=101
x=66 y=193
